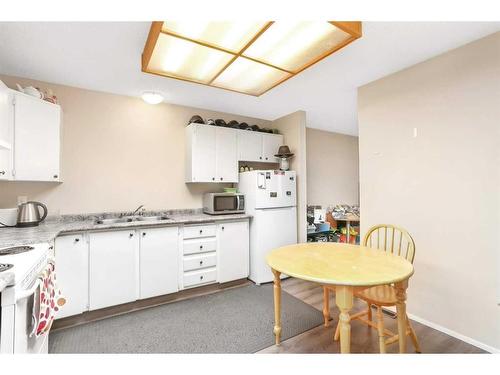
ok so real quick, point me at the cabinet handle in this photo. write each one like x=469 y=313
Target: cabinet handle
x=222 y=228
x=2 y=172
x=201 y=231
x=201 y=262
x=221 y=178
x=213 y=178
x=201 y=247
x=55 y=176
x=77 y=240
x=143 y=234
x=131 y=235
x=201 y=277
x=266 y=158
x=260 y=157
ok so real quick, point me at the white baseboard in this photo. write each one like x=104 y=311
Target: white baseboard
x=451 y=333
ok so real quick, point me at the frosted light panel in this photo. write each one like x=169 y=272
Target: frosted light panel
x=232 y=36
x=183 y=59
x=249 y=77
x=293 y=45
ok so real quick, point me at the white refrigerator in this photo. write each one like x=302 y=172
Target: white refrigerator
x=271 y=199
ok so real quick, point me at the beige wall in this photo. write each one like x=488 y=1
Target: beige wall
x=118 y=152
x=293 y=127
x=332 y=168
x=443 y=185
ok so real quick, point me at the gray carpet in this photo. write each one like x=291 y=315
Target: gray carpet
x=238 y=320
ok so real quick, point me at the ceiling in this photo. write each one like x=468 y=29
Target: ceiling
x=107 y=56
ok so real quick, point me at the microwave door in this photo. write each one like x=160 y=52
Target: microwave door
x=225 y=203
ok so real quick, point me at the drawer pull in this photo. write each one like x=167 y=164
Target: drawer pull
x=201 y=262
x=131 y=235
x=201 y=277
x=201 y=231
x=201 y=247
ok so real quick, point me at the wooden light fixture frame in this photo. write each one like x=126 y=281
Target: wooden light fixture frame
x=353 y=28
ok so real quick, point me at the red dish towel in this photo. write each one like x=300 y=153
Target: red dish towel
x=47 y=302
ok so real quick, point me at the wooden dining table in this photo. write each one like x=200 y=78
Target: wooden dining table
x=346 y=267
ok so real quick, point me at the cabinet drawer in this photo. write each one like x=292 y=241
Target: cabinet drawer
x=205 y=276
x=199 y=231
x=196 y=262
x=199 y=246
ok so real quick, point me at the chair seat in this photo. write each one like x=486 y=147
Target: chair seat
x=381 y=295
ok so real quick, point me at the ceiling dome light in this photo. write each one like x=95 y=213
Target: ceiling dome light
x=151 y=97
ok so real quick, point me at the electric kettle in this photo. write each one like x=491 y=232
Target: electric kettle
x=28 y=214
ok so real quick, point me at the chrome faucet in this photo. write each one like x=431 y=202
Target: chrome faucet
x=137 y=209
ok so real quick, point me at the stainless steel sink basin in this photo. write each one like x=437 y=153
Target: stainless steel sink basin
x=129 y=219
x=151 y=218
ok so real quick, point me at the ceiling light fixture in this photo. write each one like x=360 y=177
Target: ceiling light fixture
x=151 y=97
x=246 y=57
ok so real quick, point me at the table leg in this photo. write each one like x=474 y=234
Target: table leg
x=401 y=311
x=326 y=305
x=348 y=236
x=343 y=297
x=277 y=306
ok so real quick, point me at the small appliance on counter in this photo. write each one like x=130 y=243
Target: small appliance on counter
x=223 y=203
x=29 y=215
x=8 y=217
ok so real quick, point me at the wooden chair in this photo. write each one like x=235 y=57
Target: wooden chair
x=397 y=241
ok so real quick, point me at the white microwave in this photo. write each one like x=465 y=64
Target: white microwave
x=223 y=203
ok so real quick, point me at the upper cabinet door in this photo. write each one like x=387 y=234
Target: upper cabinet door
x=37 y=135
x=270 y=145
x=226 y=155
x=203 y=154
x=249 y=145
x=6 y=126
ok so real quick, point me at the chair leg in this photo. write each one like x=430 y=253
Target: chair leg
x=337 y=332
x=326 y=306
x=380 y=328
x=413 y=337
x=369 y=317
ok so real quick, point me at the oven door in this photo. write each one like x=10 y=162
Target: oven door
x=225 y=203
x=23 y=343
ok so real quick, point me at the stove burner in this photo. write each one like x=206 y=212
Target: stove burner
x=5 y=267
x=15 y=250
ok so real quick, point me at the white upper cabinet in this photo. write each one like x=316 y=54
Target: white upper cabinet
x=270 y=145
x=226 y=159
x=261 y=147
x=37 y=139
x=211 y=154
x=249 y=146
x=6 y=126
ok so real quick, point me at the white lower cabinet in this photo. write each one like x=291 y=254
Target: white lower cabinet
x=72 y=255
x=114 y=268
x=159 y=268
x=233 y=251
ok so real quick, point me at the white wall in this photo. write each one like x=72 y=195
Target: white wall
x=444 y=185
x=293 y=127
x=117 y=152
x=332 y=168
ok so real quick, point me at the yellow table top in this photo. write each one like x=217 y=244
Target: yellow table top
x=339 y=264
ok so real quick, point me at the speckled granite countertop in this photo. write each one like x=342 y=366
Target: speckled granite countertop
x=54 y=226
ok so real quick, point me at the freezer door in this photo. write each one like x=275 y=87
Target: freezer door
x=275 y=189
x=270 y=228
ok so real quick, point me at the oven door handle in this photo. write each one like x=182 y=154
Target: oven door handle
x=29 y=292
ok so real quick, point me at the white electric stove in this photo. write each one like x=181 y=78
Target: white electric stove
x=24 y=263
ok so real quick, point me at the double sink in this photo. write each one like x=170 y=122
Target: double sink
x=130 y=219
